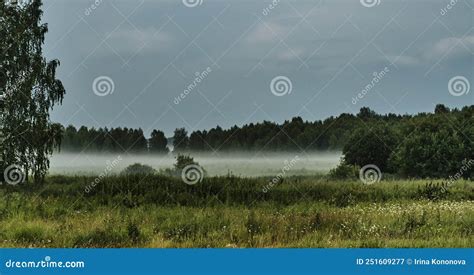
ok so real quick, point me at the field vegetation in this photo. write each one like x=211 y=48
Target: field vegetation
x=160 y=211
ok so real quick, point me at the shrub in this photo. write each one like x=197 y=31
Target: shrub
x=434 y=191
x=344 y=171
x=138 y=169
x=181 y=162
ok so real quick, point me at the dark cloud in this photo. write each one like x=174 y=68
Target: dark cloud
x=330 y=50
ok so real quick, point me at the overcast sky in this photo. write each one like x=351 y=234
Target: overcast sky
x=149 y=52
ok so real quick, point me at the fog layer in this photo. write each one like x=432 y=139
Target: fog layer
x=240 y=164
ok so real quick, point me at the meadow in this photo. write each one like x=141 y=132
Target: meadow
x=230 y=211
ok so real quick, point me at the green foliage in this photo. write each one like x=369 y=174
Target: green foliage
x=158 y=142
x=31 y=89
x=426 y=145
x=437 y=145
x=180 y=140
x=168 y=214
x=115 y=140
x=182 y=161
x=138 y=169
x=344 y=171
x=434 y=191
x=371 y=146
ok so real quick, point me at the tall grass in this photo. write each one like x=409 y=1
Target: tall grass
x=157 y=211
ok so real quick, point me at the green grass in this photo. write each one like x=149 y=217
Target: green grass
x=234 y=212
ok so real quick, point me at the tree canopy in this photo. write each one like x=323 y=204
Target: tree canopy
x=30 y=89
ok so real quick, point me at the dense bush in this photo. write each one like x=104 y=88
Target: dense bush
x=372 y=145
x=138 y=169
x=438 y=145
x=344 y=171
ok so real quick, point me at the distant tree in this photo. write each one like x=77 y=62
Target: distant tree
x=182 y=161
x=372 y=145
x=138 y=142
x=30 y=87
x=197 y=141
x=441 y=109
x=158 y=142
x=180 y=140
x=138 y=169
x=366 y=113
x=434 y=149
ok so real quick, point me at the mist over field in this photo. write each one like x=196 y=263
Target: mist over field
x=240 y=164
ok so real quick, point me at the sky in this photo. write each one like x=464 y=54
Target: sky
x=165 y=64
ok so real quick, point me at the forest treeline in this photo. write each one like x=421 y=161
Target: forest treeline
x=437 y=144
x=332 y=133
